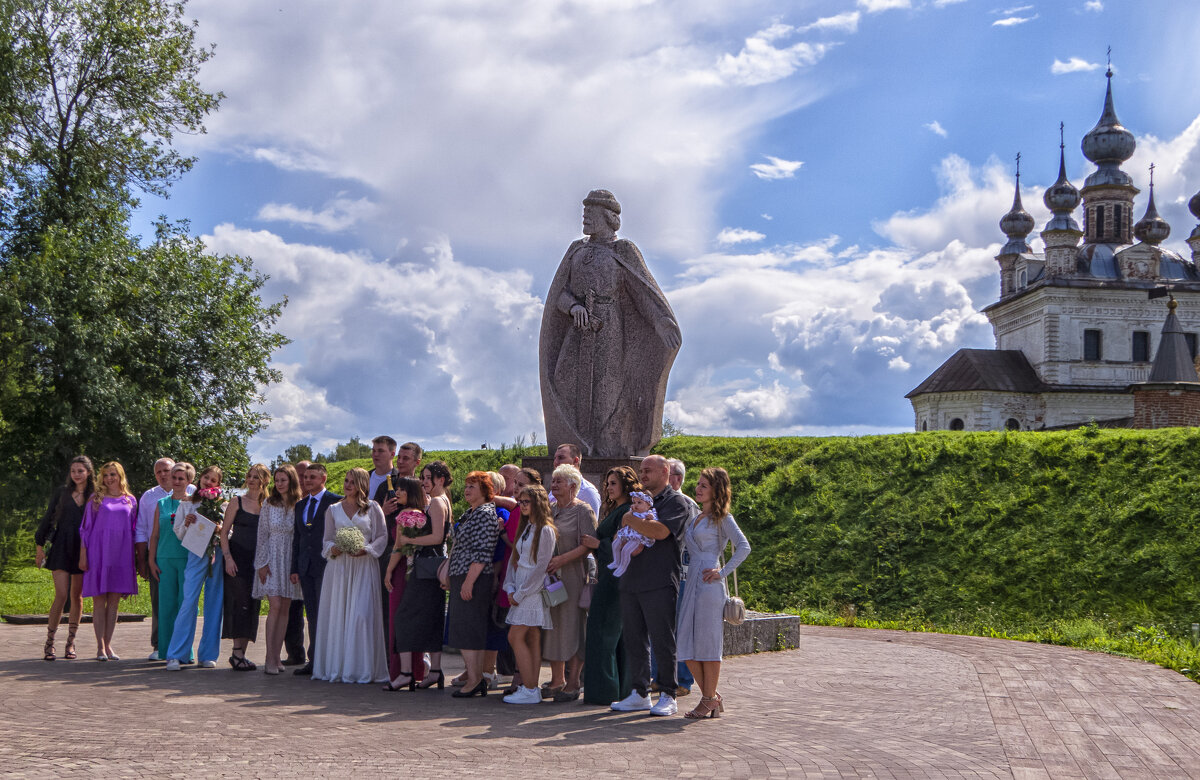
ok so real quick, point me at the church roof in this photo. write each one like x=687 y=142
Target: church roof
x=1003 y=370
x=1173 y=363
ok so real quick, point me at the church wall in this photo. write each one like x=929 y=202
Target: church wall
x=980 y=410
x=1166 y=406
x=1064 y=409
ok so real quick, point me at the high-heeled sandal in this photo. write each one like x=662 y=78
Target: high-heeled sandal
x=241 y=663
x=69 y=650
x=481 y=690
x=707 y=708
x=48 y=649
x=411 y=684
x=720 y=702
x=430 y=680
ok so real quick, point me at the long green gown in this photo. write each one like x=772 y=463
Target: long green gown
x=604 y=677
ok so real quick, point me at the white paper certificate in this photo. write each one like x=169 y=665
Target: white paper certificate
x=196 y=536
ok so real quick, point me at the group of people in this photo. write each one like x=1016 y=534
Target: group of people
x=591 y=580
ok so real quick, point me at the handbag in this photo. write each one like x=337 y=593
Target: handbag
x=589 y=583
x=554 y=592
x=428 y=567
x=734 y=611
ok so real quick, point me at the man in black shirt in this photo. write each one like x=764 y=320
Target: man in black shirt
x=649 y=589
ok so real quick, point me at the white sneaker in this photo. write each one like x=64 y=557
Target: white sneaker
x=208 y=664
x=665 y=705
x=153 y=656
x=634 y=702
x=173 y=665
x=524 y=695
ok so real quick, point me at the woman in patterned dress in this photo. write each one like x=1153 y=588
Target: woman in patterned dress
x=273 y=559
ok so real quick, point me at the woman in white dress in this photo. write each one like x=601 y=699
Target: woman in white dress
x=350 y=645
x=273 y=559
x=699 y=633
x=524 y=584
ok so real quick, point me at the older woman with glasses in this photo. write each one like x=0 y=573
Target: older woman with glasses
x=471 y=577
x=576 y=525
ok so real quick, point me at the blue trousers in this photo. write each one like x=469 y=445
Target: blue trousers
x=197 y=576
x=683 y=674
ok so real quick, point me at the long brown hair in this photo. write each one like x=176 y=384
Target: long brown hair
x=722 y=495
x=264 y=478
x=538 y=516
x=629 y=483
x=89 y=484
x=292 y=496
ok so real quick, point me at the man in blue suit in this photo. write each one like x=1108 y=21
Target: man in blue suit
x=308 y=567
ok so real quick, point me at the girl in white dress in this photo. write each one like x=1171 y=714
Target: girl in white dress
x=350 y=645
x=524 y=584
x=273 y=559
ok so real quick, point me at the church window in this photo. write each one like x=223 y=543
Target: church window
x=1118 y=229
x=1023 y=278
x=924 y=425
x=1012 y=425
x=1141 y=346
x=1091 y=345
x=1098 y=223
x=1190 y=338
x=957 y=424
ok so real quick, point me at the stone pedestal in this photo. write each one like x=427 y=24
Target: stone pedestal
x=593 y=469
x=762 y=632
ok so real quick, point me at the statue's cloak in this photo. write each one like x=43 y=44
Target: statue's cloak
x=644 y=364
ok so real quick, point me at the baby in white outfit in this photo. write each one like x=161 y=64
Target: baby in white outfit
x=628 y=542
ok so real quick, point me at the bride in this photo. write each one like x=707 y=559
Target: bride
x=349 y=644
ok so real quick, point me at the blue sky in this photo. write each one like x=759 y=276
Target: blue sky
x=816 y=186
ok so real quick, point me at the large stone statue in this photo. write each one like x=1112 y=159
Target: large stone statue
x=608 y=340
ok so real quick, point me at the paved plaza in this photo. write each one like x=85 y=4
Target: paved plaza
x=847 y=703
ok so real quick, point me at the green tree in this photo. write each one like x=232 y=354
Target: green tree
x=293 y=454
x=110 y=345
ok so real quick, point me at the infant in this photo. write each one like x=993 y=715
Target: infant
x=628 y=542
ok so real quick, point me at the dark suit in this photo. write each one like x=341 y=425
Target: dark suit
x=307 y=562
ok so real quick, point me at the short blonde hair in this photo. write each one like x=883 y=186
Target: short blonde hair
x=570 y=474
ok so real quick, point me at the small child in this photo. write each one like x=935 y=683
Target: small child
x=628 y=542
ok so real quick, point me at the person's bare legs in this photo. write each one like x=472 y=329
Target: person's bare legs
x=277 y=616
x=574 y=672
x=474 y=663
x=697 y=670
x=526 y=643
x=110 y=622
x=558 y=674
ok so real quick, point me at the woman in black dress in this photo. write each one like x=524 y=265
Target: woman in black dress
x=420 y=615
x=239 y=538
x=60 y=526
x=471 y=580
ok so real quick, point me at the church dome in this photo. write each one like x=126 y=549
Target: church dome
x=1061 y=195
x=1108 y=141
x=1194 y=205
x=1017 y=224
x=1151 y=229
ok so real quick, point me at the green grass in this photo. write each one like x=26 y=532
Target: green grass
x=28 y=590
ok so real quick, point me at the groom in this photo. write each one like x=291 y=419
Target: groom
x=308 y=567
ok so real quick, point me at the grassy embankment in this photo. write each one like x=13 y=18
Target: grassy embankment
x=1086 y=538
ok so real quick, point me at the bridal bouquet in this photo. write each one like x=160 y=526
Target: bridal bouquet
x=208 y=502
x=409 y=524
x=349 y=540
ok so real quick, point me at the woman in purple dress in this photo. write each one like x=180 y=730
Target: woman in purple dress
x=106 y=553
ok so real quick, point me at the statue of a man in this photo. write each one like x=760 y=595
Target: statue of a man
x=608 y=340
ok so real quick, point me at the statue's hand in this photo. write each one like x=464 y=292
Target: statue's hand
x=580 y=315
x=669 y=333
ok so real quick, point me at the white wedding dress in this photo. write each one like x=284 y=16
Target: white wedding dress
x=350 y=645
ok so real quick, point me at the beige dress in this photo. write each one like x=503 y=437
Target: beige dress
x=562 y=642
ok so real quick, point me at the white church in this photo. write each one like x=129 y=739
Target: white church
x=1078 y=336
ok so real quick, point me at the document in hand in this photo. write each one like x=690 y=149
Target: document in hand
x=197 y=535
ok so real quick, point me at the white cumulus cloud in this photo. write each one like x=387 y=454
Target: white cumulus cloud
x=777 y=168
x=1073 y=65
x=936 y=128
x=339 y=214
x=759 y=62
x=875 y=6
x=729 y=236
x=844 y=22
x=1093 y=5
x=1012 y=21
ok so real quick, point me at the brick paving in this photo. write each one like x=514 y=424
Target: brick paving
x=847 y=703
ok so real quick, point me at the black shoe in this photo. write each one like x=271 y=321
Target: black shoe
x=479 y=690
x=303 y=671
x=292 y=660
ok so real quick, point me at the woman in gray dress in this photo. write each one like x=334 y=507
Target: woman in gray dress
x=699 y=631
x=574 y=520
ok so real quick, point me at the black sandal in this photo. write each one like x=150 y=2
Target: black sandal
x=241 y=663
x=411 y=684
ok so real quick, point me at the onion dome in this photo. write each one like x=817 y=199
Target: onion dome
x=1151 y=229
x=1194 y=205
x=1017 y=223
x=1108 y=144
x=1061 y=197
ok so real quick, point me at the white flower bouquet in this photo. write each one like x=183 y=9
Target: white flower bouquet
x=349 y=540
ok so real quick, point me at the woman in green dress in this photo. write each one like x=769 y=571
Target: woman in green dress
x=603 y=674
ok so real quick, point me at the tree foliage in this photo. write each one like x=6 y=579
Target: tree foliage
x=111 y=345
